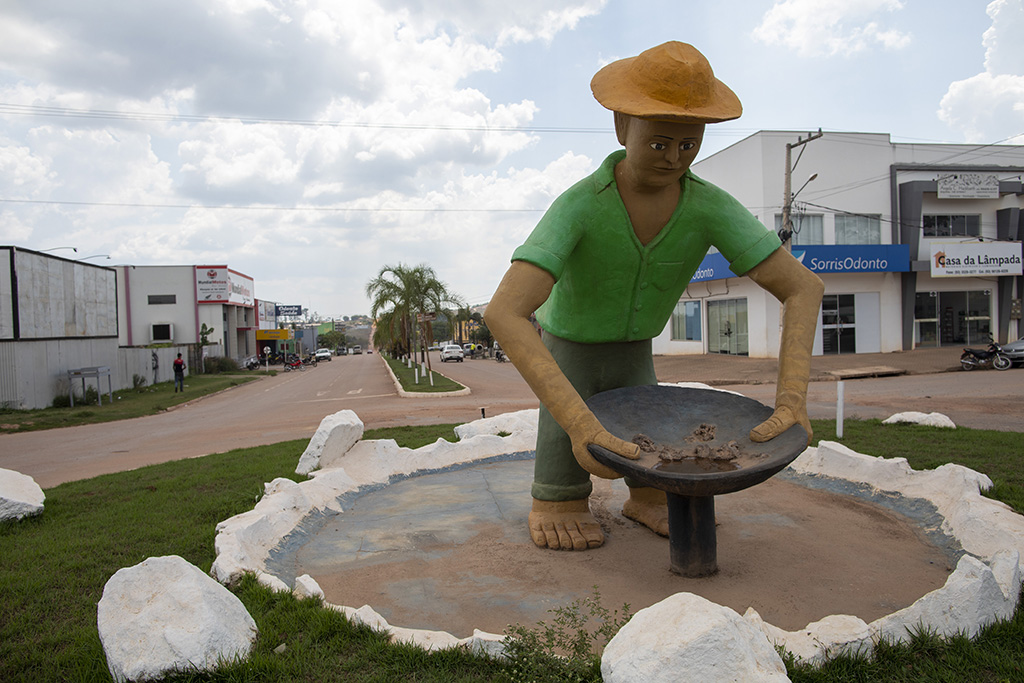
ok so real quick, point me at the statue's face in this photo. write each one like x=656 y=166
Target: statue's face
x=658 y=153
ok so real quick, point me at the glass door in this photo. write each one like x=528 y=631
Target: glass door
x=838 y=324
x=727 y=327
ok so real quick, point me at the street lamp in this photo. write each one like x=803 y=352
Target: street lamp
x=106 y=256
x=43 y=251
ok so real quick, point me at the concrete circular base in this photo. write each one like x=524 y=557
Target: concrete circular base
x=983 y=587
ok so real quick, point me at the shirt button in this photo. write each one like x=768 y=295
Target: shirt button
x=643 y=285
x=636 y=330
x=639 y=307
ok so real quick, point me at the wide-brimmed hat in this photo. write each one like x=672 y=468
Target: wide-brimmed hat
x=672 y=81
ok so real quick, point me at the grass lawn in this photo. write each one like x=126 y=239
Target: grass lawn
x=53 y=569
x=407 y=378
x=128 y=403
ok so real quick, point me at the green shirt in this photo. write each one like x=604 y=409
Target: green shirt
x=608 y=286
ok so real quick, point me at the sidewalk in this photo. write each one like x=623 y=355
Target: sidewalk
x=718 y=370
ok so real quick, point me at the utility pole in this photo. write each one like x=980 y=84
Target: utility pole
x=786 y=232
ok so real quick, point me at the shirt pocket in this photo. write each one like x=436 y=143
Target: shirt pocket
x=666 y=275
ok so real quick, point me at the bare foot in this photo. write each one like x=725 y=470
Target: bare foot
x=564 y=525
x=649 y=507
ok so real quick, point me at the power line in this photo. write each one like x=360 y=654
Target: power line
x=67 y=112
x=160 y=117
x=271 y=208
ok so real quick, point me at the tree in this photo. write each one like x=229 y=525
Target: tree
x=400 y=297
x=332 y=339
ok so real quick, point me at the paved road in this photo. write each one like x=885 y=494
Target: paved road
x=980 y=399
x=291 y=405
x=269 y=410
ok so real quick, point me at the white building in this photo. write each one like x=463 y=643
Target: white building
x=170 y=304
x=917 y=244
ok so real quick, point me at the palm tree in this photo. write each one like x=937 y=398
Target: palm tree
x=400 y=296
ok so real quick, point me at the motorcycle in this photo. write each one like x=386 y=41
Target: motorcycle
x=993 y=356
x=251 y=363
x=294 y=364
x=500 y=356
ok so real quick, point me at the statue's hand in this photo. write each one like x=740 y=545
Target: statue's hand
x=587 y=430
x=782 y=419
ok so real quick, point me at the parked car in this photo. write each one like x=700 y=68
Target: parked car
x=323 y=354
x=452 y=352
x=1015 y=351
x=342 y=351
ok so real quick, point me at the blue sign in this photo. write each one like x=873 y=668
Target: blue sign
x=838 y=258
x=855 y=258
x=284 y=310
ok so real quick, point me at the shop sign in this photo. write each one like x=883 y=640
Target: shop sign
x=272 y=334
x=969 y=186
x=855 y=258
x=289 y=310
x=971 y=259
x=840 y=258
x=221 y=285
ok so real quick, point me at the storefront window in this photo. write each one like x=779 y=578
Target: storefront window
x=961 y=318
x=686 y=322
x=727 y=327
x=856 y=229
x=926 y=322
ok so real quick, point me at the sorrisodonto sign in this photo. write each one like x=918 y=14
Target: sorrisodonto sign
x=860 y=258
x=840 y=258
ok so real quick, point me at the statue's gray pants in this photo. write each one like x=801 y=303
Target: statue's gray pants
x=591 y=368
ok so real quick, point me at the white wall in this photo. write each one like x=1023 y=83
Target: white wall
x=58 y=298
x=32 y=373
x=143 y=281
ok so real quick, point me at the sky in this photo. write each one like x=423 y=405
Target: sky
x=310 y=143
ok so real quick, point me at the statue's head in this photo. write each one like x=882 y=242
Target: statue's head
x=670 y=82
x=662 y=100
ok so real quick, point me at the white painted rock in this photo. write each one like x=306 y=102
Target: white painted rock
x=20 y=495
x=336 y=434
x=165 y=615
x=685 y=637
x=509 y=423
x=307 y=587
x=926 y=419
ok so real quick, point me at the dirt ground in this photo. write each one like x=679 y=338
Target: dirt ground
x=792 y=553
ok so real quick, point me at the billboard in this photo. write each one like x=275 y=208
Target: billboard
x=221 y=285
x=289 y=310
x=971 y=259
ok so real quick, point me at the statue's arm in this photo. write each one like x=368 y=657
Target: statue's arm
x=800 y=292
x=521 y=292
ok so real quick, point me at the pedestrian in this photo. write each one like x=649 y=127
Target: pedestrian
x=179 y=375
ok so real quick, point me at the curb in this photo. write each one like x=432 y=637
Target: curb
x=422 y=394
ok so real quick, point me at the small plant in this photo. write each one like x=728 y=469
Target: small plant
x=64 y=401
x=138 y=382
x=219 y=364
x=569 y=648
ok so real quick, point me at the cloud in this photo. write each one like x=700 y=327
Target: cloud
x=830 y=27
x=348 y=136
x=989 y=106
